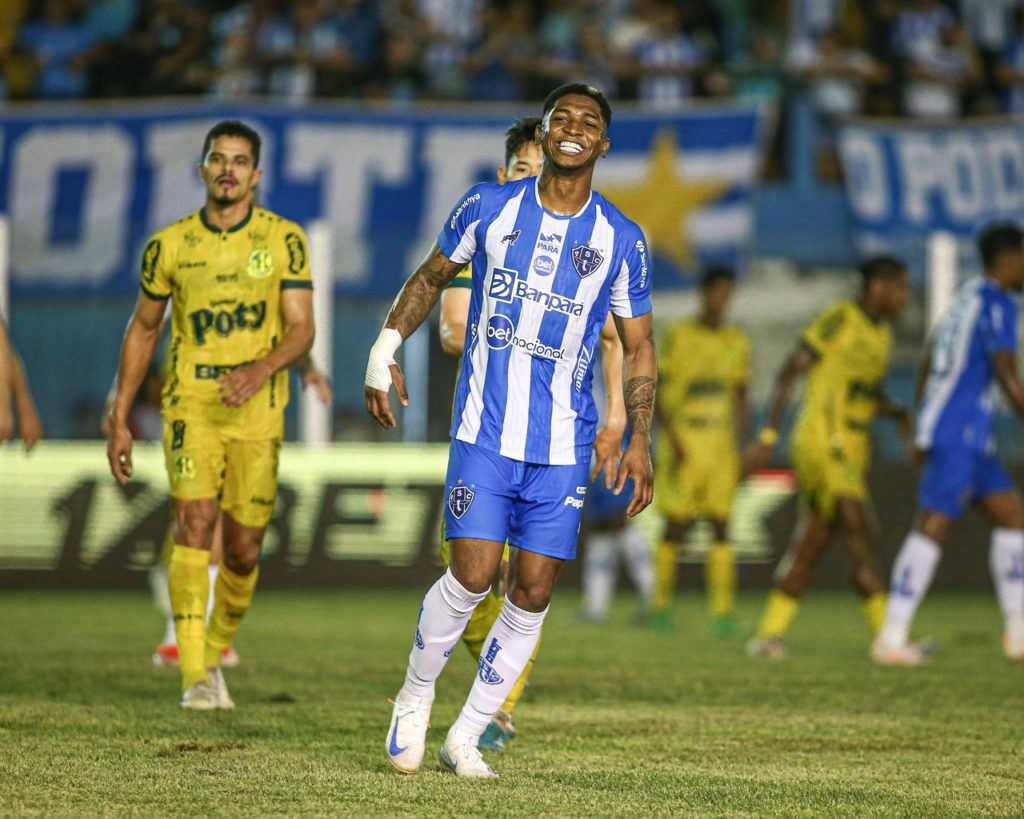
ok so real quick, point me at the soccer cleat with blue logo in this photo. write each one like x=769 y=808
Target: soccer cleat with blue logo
x=407 y=734
x=460 y=756
x=220 y=689
x=498 y=733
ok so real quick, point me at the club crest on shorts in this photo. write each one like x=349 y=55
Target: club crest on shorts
x=586 y=260
x=460 y=499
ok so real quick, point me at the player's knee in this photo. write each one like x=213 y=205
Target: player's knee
x=242 y=553
x=471 y=578
x=674 y=531
x=531 y=596
x=196 y=527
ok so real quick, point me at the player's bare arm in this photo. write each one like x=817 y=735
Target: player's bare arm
x=314 y=378
x=6 y=411
x=412 y=306
x=741 y=400
x=30 y=427
x=1009 y=380
x=759 y=454
x=140 y=341
x=454 y=313
x=240 y=385
x=641 y=373
x=608 y=444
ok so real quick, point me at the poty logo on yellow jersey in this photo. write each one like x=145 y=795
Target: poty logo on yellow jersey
x=261 y=263
x=225 y=322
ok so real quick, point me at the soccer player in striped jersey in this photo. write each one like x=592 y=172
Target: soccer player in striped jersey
x=845 y=353
x=971 y=357
x=550 y=258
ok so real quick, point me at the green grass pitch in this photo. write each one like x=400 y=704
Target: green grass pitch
x=618 y=721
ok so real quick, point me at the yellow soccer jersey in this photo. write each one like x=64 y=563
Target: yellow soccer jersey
x=699 y=369
x=842 y=387
x=225 y=290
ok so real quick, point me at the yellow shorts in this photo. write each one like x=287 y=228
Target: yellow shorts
x=702 y=486
x=203 y=463
x=826 y=474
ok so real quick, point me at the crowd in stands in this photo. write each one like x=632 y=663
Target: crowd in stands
x=920 y=58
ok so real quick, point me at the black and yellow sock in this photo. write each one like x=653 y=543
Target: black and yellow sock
x=720 y=579
x=778 y=614
x=231 y=601
x=188 y=582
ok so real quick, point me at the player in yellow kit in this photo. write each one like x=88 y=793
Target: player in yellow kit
x=845 y=354
x=701 y=404
x=241 y=294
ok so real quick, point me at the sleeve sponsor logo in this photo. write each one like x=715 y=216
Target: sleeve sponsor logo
x=469 y=200
x=296 y=253
x=150 y=259
x=642 y=250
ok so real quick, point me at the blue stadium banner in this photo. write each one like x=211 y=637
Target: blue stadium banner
x=905 y=181
x=84 y=186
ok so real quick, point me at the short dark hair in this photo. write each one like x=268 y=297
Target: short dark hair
x=518 y=134
x=235 y=128
x=882 y=267
x=997 y=239
x=583 y=90
x=716 y=273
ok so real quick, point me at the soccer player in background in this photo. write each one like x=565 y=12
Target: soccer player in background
x=241 y=293
x=971 y=357
x=845 y=355
x=17 y=409
x=702 y=404
x=550 y=257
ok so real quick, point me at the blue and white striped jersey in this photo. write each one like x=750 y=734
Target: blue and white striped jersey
x=542 y=288
x=960 y=396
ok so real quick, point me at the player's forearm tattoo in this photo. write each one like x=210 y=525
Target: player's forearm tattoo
x=639 y=397
x=418 y=296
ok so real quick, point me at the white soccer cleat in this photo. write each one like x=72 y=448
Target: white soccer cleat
x=220 y=689
x=768 y=648
x=908 y=655
x=407 y=734
x=460 y=756
x=1013 y=649
x=199 y=696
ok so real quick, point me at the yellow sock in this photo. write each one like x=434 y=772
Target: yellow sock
x=666 y=564
x=517 y=690
x=874 y=610
x=479 y=625
x=720 y=579
x=188 y=581
x=230 y=603
x=778 y=614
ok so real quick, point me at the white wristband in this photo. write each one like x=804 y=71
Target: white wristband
x=382 y=356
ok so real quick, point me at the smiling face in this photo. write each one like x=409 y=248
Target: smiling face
x=573 y=134
x=527 y=161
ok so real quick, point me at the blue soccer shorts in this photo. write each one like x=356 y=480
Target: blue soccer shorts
x=536 y=507
x=955 y=478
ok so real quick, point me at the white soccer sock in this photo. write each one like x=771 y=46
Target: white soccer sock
x=443 y=616
x=169 y=634
x=637 y=552
x=507 y=649
x=599 y=565
x=214 y=569
x=1006 y=560
x=912 y=574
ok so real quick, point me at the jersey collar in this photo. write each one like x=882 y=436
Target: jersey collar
x=580 y=212
x=213 y=229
